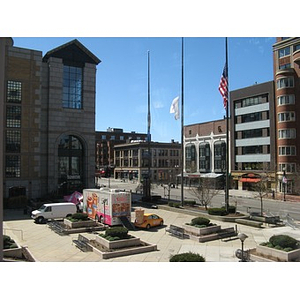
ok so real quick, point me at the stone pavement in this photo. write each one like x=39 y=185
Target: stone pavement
x=47 y=246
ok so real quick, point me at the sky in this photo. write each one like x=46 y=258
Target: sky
x=122 y=77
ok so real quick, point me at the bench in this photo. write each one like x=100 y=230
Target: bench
x=82 y=243
x=177 y=231
x=57 y=227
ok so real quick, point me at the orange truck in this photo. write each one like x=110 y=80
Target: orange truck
x=107 y=206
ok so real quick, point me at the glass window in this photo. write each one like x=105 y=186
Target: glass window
x=284 y=52
x=13 y=141
x=13 y=116
x=287 y=133
x=12 y=166
x=14 y=91
x=297 y=47
x=284 y=66
x=72 y=87
x=286 y=99
x=286 y=116
x=287 y=150
x=285 y=82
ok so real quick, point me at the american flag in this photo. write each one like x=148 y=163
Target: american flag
x=223 y=86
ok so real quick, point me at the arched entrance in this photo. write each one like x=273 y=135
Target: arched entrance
x=70 y=164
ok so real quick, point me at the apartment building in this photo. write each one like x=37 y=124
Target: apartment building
x=49 y=118
x=253 y=142
x=286 y=60
x=132 y=161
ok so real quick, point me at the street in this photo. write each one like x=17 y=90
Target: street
x=245 y=201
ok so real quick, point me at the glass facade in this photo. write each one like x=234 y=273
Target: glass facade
x=72 y=87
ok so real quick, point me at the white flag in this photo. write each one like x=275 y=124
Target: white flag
x=174 y=109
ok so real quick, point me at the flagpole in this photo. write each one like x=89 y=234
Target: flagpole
x=148 y=188
x=182 y=124
x=227 y=134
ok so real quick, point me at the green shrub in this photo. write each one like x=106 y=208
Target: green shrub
x=176 y=204
x=218 y=211
x=187 y=257
x=288 y=249
x=171 y=204
x=284 y=241
x=118 y=231
x=200 y=221
x=189 y=202
x=79 y=217
x=8 y=243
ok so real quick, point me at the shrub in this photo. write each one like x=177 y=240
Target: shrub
x=200 y=221
x=219 y=211
x=189 y=202
x=187 y=257
x=171 y=204
x=8 y=243
x=176 y=204
x=79 y=217
x=231 y=209
x=284 y=241
x=118 y=231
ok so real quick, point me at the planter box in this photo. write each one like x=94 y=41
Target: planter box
x=88 y=223
x=192 y=230
x=278 y=254
x=118 y=244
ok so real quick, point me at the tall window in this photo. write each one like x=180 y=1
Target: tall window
x=14 y=91
x=72 y=87
x=12 y=166
x=13 y=141
x=204 y=157
x=190 y=158
x=70 y=161
x=13 y=116
x=220 y=156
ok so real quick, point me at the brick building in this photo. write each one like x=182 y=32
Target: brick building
x=204 y=151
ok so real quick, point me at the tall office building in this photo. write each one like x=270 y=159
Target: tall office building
x=286 y=60
x=49 y=118
x=253 y=140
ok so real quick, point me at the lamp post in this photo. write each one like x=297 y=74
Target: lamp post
x=242 y=237
x=104 y=201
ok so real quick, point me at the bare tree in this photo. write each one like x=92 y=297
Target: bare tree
x=205 y=191
x=261 y=187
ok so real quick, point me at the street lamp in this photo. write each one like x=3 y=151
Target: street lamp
x=242 y=237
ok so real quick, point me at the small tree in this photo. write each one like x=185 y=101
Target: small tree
x=261 y=187
x=205 y=191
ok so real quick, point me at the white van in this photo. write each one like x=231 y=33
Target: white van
x=53 y=211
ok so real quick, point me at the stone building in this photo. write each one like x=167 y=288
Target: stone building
x=49 y=119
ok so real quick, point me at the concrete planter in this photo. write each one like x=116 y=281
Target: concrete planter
x=134 y=241
x=21 y=253
x=192 y=230
x=278 y=254
x=88 y=223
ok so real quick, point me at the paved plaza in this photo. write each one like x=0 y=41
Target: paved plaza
x=47 y=246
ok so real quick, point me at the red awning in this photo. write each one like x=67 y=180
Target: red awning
x=253 y=180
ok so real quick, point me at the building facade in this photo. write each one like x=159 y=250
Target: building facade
x=105 y=142
x=204 y=151
x=49 y=119
x=253 y=140
x=132 y=161
x=286 y=60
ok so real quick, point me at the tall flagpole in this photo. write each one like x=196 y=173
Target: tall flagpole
x=182 y=124
x=148 y=186
x=227 y=134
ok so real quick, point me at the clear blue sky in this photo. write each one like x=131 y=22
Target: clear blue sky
x=121 y=88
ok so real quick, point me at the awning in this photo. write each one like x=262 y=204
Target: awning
x=253 y=180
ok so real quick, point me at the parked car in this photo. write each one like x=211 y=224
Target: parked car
x=150 y=220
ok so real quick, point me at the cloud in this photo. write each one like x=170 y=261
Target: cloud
x=158 y=105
